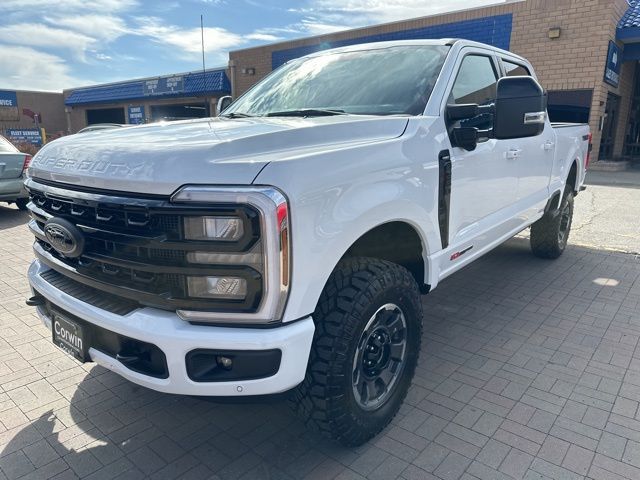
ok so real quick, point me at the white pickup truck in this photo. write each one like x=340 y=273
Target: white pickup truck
x=285 y=244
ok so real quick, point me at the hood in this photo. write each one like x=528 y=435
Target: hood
x=160 y=158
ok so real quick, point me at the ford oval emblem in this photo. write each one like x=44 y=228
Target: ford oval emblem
x=64 y=237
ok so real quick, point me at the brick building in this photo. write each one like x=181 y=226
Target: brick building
x=569 y=42
x=19 y=107
x=169 y=97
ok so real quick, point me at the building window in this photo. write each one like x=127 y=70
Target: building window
x=571 y=106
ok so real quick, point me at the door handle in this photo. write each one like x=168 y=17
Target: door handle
x=548 y=145
x=514 y=153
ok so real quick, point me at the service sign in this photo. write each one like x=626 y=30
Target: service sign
x=614 y=61
x=25 y=135
x=9 y=106
x=8 y=99
x=136 y=114
x=163 y=85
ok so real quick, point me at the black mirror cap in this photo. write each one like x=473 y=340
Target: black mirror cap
x=462 y=112
x=520 y=109
x=465 y=137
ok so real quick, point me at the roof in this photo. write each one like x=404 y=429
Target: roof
x=178 y=85
x=628 y=30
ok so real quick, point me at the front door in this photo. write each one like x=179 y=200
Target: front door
x=609 y=126
x=484 y=181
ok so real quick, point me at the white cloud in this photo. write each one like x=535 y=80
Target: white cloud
x=326 y=16
x=24 y=68
x=102 y=27
x=40 y=35
x=68 y=5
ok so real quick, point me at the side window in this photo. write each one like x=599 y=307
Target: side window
x=515 y=70
x=475 y=83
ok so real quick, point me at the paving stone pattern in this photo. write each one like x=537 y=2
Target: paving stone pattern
x=529 y=369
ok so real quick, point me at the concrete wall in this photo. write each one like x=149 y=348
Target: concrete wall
x=49 y=105
x=576 y=60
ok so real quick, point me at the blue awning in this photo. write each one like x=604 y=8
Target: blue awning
x=628 y=30
x=211 y=82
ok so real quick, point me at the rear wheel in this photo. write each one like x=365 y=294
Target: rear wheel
x=21 y=203
x=550 y=234
x=365 y=350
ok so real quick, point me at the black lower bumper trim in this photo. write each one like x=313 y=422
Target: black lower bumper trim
x=204 y=365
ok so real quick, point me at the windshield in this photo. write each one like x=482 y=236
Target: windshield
x=384 y=81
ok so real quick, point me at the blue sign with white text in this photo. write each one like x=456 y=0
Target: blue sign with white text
x=136 y=114
x=614 y=61
x=25 y=135
x=8 y=99
x=162 y=85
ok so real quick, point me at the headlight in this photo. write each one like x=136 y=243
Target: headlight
x=244 y=257
x=230 y=288
x=225 y=229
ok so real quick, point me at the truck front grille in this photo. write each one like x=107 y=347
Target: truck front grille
x=134 y=247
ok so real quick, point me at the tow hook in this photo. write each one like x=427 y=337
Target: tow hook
x=36 y=301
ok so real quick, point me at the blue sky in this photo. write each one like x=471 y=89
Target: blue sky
x=51 y=45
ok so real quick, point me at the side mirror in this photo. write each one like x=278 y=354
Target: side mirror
x=465 y=137
x=462 y=112
x=223 y=103
x=520 y=109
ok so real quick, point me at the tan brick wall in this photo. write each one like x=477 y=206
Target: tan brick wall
x=49 y=104
x=576 y=60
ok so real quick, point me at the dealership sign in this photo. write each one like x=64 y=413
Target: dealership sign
x=614 y=61
x=163 y=85
x=136 y=114
x=25 y=135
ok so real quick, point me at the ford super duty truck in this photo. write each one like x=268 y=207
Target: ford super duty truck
x=285 y=244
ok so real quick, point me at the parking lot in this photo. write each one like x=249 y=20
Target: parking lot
x=529 y=369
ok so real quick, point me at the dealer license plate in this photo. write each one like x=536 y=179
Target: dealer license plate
x=69 y=336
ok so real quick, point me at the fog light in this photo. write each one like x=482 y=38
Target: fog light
x=226 y=229
x=230 y=288
x=225 y=362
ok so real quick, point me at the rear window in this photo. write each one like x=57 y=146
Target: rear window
x=6 y=146
x=515 y=70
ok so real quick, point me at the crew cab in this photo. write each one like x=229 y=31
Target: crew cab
x=285 y=244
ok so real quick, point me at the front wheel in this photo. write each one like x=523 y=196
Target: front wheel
x=365 y=350
x=550 y=234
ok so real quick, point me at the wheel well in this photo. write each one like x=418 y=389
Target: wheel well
x=396 y=242
x=571 y=179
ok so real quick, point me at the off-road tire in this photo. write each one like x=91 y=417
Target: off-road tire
x=545 y=238
x=21 y=203
x=356 y=290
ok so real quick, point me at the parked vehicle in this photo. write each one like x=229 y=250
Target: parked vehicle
x=13 y=165
x=285 y=244
x=100 y=126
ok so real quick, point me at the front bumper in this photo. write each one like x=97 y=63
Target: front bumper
x=176 y=338
x=12 y=189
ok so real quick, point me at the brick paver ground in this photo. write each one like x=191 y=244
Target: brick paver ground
x=529 y=369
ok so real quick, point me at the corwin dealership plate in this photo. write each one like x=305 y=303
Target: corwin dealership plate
x=69 y=336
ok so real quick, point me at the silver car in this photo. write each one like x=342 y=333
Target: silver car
x=13 y=165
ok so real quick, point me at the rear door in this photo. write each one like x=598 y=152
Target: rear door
x=11 y=160
x=533 y=157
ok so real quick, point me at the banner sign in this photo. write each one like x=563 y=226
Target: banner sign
x=163 y=85
x=136 y=114
x=25 y=135
x=8 y=99
x=614 y=61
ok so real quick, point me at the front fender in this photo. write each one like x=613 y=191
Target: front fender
x=338 y=196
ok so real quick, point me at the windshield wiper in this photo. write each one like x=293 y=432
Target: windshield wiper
x=306 y=112
x=236 y=115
